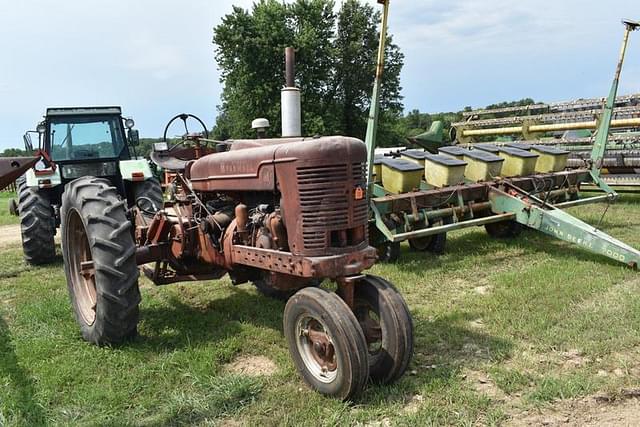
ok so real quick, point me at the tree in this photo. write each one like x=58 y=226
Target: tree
x=13 y=152
x=335 y=66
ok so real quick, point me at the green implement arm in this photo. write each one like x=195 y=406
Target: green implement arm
x=538 y=215
x=600 y=143
x=374 y=109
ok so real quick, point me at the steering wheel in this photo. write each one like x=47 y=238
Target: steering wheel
x=187 y=136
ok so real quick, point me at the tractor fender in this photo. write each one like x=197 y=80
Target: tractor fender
x=44 y=179
x=135 y=170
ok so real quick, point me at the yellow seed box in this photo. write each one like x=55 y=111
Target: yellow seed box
x=401 y=176
x=482 y=165
x=453 y=151
x=551 y=159
x=517 y=162
x=443 y=171
x=416 y=156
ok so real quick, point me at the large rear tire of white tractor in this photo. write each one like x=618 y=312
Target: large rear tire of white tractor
x=37 y=224
x=100 y=263
x=326 y=343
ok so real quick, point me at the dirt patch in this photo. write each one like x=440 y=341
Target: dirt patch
x=592 y=411
x=253 y=366
x=573 y=359
x=9 y=235
x=483 y=384
x=482 y=290
x=414 y=404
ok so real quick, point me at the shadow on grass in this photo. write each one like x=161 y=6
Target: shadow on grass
x=216 y=320
x=529 y=243
x=21 y=395
x=443 y=349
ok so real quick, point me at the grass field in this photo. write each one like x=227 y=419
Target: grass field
x=501 y=327
x=5 y=218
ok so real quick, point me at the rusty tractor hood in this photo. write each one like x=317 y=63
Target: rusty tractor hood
x=250 y=164
x=12 y=167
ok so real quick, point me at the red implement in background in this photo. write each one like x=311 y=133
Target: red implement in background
x=12 y=167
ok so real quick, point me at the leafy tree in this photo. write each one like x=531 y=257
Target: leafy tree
x=335 y=66
x=13 y=152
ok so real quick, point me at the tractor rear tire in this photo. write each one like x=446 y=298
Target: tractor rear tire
x=37 y=224
x=100 y=261
x=388 y=328
x=148 y=196
x=503 y=229
x=326 y=343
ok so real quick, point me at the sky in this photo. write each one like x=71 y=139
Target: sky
x=155 y=57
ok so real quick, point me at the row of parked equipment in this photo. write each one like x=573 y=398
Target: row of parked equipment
x=404 y=170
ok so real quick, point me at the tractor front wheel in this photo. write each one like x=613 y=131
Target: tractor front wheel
x=37 y=224
x=386 y=322
x=100 y=264
x=326 y=343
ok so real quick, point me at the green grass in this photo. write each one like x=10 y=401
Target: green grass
x=5 y=217
x=499 y=326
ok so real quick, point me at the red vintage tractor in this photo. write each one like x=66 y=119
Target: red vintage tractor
x=284 y=214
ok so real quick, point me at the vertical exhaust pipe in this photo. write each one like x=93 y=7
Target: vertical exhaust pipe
x=290 y=98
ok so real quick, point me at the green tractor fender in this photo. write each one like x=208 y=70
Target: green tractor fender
x=135 y=170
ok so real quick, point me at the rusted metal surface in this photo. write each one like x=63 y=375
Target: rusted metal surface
x=83 y=271
x=290 y=61
x=318 y=180
x=12 y=167
x=334 y=266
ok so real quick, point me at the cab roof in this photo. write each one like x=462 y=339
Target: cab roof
x=82 y=111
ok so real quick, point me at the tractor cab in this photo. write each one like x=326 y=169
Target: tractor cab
x=83 y=141
x=73 y=143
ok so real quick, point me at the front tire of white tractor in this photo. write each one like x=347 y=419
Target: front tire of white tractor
x=37 y=224
x=100 y=264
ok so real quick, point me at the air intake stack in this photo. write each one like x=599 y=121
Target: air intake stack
x=290 y=99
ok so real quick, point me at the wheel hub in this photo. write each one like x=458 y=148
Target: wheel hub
x=82 y=269
x=316 y=349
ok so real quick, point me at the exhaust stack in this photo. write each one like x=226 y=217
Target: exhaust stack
x=290 y=99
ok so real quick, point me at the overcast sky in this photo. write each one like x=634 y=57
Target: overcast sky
x=155 y=57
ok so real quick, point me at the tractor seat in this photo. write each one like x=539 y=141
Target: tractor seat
x=166 y=161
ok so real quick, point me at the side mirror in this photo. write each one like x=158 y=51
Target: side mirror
x=28 y=146
x=134 y=137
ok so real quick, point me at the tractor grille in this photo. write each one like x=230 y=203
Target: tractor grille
x=328 y=205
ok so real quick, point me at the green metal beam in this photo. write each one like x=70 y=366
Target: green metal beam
x=374 y=109
x=602 y=134
x=534 y=213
